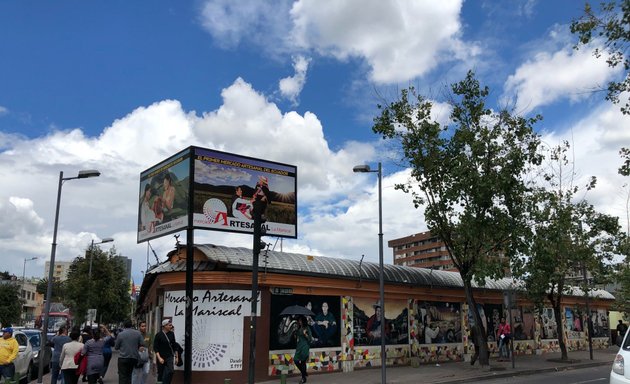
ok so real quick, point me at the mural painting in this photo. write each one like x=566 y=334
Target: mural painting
x=438 y=322
x=324 y=324
x=367 y=326
x=523 y=323
x=549 y=325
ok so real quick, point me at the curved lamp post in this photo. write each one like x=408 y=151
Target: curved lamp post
x=91 y=252
x=381 y=280
x=82 y=175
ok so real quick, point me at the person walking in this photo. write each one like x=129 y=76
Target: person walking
x=504 y=333
x=142 y=369
x=8 y=352
x=66 y=358
x=621 y=332
x=164 y=354
x=57 y=344
x=128 y=343
x=108 y=343
x=302 y=348
x=93 y=349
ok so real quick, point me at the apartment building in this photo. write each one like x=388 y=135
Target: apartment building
x=423 y=250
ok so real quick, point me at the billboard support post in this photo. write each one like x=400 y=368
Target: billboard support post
x=258 y=222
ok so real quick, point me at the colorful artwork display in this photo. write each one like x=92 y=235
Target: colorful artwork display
x=599 y=319
x=549 y=325
x=367 y=326
x=438 y=322
x=523 y=323
x=324 y=324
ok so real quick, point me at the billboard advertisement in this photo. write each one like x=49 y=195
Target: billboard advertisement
x=163 y=202
x=225 y=187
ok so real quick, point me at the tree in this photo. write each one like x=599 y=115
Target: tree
x=10 y=303
x=470 y=179
x=58 y=290
x=568 y=235
x=108 y=289
x=613 y=27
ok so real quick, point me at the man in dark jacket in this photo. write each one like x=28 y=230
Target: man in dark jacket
x=164 y=354
x=128 y=343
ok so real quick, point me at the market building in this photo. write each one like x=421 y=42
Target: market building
x=426 y=314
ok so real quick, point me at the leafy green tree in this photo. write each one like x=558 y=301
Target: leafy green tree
x=10 y=303
x=468 y=176
x=58 y=290
x=107 y=290
x=612 y=26
x=568 y=236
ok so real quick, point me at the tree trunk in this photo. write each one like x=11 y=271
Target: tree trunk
x=560 y=329
x=480 y=336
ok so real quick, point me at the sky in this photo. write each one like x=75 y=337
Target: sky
x=119 y=86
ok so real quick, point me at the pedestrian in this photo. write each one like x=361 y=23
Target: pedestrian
x=504 y=333
x=473 y=337
x=108 y=343
x=621 y=332
x=85 y=336
x=164 y=354
x=302 y=349
x=142 y=369
x=57 y=343
x=93 y=349
x=66 y=358
x=128 y=343
x=8 y=352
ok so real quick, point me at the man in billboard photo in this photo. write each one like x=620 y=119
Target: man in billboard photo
x=261 y=197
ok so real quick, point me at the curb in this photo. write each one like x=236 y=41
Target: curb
x=524 y=372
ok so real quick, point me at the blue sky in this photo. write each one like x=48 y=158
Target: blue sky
x=120 y=86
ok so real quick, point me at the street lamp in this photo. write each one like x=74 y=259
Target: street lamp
x=23 y=294
x=105 y=240
x=81 y=175
x=363 y=169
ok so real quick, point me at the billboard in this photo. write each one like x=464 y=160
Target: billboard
x=163 y=205
x=225 y=187
x=220 y=188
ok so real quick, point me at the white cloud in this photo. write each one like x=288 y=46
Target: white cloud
x=595 y=142
x=265 y=23
x=3 y=110
x=290 y=87
x=555 y=75
x=400 y=40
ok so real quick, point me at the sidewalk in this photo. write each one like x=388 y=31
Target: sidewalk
x=462 y=372
x=452 y=372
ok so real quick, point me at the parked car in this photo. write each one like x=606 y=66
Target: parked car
x=35 y=338
x=24 y=360
x=619 y=374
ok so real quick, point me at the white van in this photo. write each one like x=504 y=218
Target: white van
x=619 y=373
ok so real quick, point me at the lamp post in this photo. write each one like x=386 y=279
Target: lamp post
x=82 y=175
x=23 y=293
x=91 y=251
x=381 y=279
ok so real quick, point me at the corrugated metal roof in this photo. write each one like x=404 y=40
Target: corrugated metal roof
x=232 y=258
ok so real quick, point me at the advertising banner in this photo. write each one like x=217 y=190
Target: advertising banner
x=217 y=326
x=163 y=205
x=226 y=185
